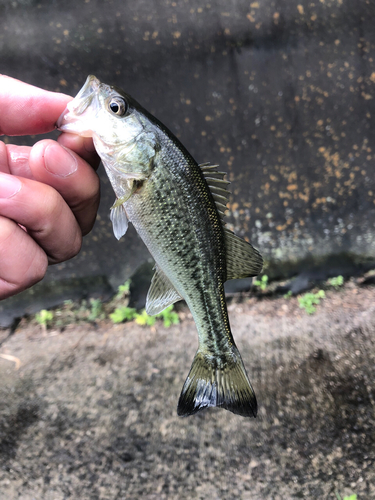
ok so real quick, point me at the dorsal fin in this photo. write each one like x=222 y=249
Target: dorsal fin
x=217 y=185
x=243 y=260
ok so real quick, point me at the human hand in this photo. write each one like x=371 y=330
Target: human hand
x=49 y=193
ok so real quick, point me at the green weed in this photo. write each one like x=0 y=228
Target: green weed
x=144 y=319
x=123 y=313
x=44 y=318
x=308 y=301
x=336 y=282
x=351 y=497
x=123 y=290
x=169 y=317
x=96 y=310
x=93 y=309
x=262 y=283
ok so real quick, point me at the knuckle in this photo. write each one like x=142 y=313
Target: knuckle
x=46 y=211
x=50 y=210
x=71 y=248
x=38 y=268
x=76 y=245
x=22 y=262
x=90 y=197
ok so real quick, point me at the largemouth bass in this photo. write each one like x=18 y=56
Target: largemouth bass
x=177 y=208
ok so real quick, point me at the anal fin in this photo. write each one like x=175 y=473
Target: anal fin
x=161 y=293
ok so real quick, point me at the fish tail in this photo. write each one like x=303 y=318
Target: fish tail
x=218 y=381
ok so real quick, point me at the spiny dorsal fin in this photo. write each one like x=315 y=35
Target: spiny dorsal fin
x=217 y=185
x=161 y=293
x=243 y=260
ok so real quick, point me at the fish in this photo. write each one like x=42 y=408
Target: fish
x=177 y=208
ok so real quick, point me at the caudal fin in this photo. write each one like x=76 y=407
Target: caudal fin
x=221 y=382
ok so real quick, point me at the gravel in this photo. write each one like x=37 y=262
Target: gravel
x=91 y=411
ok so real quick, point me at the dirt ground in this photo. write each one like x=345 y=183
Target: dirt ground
x=91 y=411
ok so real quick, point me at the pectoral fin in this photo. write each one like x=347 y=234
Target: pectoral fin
x=161 y=293
x=243 y=260
x=119 y=220
x=118 y=214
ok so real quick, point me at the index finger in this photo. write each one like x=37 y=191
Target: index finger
x=28 y=110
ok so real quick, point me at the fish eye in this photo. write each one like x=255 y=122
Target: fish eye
x=118 y=106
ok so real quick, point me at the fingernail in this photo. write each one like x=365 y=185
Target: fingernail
x=59 y=160
x=9 y=185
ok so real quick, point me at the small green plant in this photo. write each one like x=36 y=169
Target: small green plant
x=169 y=317
x=288 y=295
x=121 y=314
x=123 y=290
x=144 y=319
x=262 y=283
x=308 y=301
x=92 y=309
x=336 y=282
x=96 y=311
x=351 y=497
x=44 y=318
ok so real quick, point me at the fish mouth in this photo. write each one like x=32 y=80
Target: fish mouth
x=70 y=119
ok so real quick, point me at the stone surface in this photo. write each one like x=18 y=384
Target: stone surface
x=280 y=94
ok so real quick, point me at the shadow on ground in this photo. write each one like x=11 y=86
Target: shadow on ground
x=91 y=413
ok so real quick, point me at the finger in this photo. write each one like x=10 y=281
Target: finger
x=22 y=262
x=15 y=160
x=18 y=156
x=4 y=167
x=83 y=146
x=71 y=176
x=44 y=213
x=27 y=110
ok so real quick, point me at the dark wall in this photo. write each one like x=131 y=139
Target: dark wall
x=279 y=93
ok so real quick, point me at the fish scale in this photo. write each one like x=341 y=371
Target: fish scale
x=177 y=208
